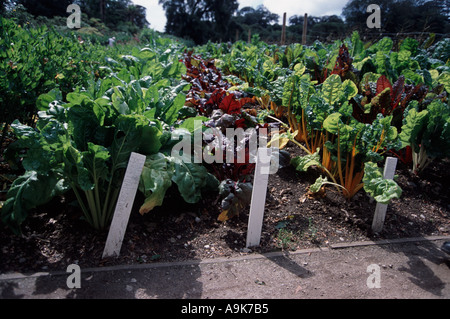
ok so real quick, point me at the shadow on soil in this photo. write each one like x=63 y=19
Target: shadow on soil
x=427 y=267
x=418 y=265
x=157 y=283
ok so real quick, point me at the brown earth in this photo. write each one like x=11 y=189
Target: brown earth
x=54 y=236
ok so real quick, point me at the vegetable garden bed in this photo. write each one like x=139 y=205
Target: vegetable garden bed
x=54 y=237
x=338 y=110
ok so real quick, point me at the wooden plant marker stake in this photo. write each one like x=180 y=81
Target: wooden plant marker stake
x=380 y=211
x=283 y=30
x=305 y=29
x=124 y=205
x=259 y=193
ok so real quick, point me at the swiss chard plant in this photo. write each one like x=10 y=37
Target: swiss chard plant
x=427 y=132
x=335 y=141
x=83 y=143
x=353 y=145
x=161 y=171
x=226 y=107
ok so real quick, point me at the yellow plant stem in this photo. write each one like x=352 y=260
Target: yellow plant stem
x=326 y=156
x=304 y=125
x=352 y=180
x=376 y=148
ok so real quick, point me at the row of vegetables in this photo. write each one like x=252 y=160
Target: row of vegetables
x=346 y=105
x=349 y=104
x=145 y=102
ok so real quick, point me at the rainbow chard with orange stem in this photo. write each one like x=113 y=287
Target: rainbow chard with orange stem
x=354 y=145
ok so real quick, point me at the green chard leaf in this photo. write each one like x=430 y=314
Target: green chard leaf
x=27 y=192
x=319 y=183
x=190 y=179
x=302 y=163
x=331 y=89
x=381 y=189
x=95 y=160
x=412 y=128
x=156 y=178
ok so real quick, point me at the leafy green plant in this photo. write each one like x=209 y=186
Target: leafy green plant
x=381 y=189
x=161 y=171
x=84 y=144
x=427 y=132
x=286 y=239
x=353 y=145
x=34 y=61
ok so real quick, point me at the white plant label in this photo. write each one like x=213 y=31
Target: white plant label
x=124 y=205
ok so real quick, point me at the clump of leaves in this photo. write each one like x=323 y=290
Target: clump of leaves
x=344 y=64
x=381 y=97
x=381 y=189
x=225 y=109
x=427 y=132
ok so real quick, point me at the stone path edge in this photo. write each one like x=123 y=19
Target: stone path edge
x=15 y=275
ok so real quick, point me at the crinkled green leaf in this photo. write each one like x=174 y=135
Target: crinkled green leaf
x=334 y=124
x=27 y=192
x=95 y=162
x=151 y=138
x=302 y=163
x=84 y=122
x=444 y=79
x=385 y=45
x=44 y=100
x=127 y=139
x=189 y=123
x=44 y=149
x=331 y=88
x=348 y=90
x=299 y=69
x=171 y=115
x=436 y=137
x=319 y=183
x=414 y=123
x=156 y=178
x=190 y=179
x=409 y=44
x=381 y=189
x=331 y=123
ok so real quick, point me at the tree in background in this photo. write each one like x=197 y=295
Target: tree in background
x=46 y=8
x=200 y=20
x=117 y=15
x=260 y=20
x=323 y=28
x=221 y=16
x=110 y=15
x=402 y=16
x=331 y=27
x=260 y=16
x=4 y=4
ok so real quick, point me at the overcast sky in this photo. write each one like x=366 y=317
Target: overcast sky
x=157 y=18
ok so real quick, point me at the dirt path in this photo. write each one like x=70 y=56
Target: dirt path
x=417 y=269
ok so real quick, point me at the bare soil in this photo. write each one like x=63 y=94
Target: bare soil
x=55 y=236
